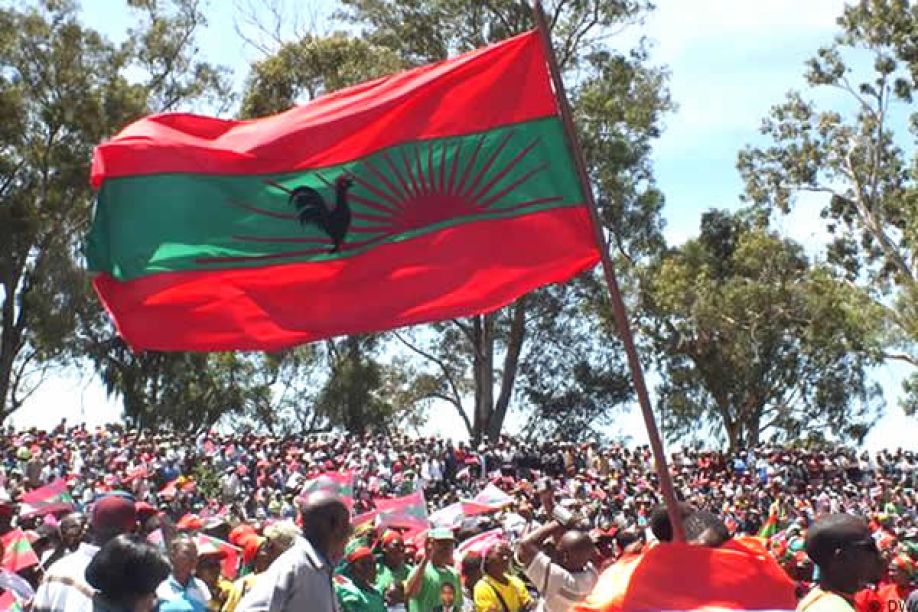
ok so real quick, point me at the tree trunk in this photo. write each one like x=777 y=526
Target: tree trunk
x=483 y=338
x=511 y=365
x=10 y=343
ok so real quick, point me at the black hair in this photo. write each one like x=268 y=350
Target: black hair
x=659 y=520
x=706 y=524
x=127 y=568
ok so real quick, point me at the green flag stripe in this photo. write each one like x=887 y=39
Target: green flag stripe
x=173 y=222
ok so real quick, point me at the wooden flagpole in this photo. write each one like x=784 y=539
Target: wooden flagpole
x=608 y=268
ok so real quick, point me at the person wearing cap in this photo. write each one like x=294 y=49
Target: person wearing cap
x=392 y=571
x=182 y=590
x=209 y=572
x=258 y=553
x=846 y=554
x=354 y=584
x=422 y=589
x=497 y=589
x=64 y=588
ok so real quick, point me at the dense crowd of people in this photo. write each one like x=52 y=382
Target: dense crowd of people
x=120 y=519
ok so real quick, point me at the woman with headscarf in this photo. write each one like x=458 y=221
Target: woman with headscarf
x=354 y=584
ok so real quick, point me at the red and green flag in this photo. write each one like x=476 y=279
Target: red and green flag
x=54 y=497
x=17 y=552
x=407 y=513
x=11 y=603
x=340 y=484
x=770 y=527
x=229 y=554
x=439 y=192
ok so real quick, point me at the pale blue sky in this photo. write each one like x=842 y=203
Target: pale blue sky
x=730 y=60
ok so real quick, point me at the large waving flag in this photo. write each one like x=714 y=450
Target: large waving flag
x=408 y=513
x=17 y=552
x=54 y=497
x=735 y=576
x=439 y=192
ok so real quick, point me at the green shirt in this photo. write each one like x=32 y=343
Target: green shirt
x=385 y=577
x=355 y=598
x=428 y=597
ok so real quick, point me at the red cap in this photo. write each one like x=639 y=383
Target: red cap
x=143 y=508
x=391 y=536
x=359 y=553
x=250 y=545
x=239 y=532
x=190 y=522
x=114 y=512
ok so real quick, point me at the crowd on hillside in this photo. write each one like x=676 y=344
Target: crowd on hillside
x=216 y=500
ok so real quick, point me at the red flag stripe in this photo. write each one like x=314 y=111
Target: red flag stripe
x=504 y=83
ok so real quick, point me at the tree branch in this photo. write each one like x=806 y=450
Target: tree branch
x=454 y=388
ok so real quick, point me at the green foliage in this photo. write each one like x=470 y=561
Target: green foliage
x=752 y=338
x=350 y=397
x=62 y=91
x=305 y=69
x=855 y=151
x=543 y=352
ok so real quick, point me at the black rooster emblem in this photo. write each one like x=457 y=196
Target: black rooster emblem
x=312 y=208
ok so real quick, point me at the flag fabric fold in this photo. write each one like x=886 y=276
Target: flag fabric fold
x=54 y=497
x=209 y=545
x=738 y=576
x=340 y=484
x=382 y=205
x=407 y=513
x=17 y=552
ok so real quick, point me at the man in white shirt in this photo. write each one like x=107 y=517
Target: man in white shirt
x=567 y=582
x=64 y=588
x=181 y=585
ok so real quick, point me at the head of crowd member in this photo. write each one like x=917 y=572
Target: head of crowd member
x=901 y=570
x=362 y=565
x=660 y=524
x=208 y=570
x=281 y=536
x=112 y=516
x=447 y=595
x=440 y=546
x=183 y=553
x=71 y=530
x=126 y=572
x=705 y=529
x=470 y=570
x=843 y=549
x=393 y=548
x=575 y=550
x=326 y=524
x=497 y=561
x=7 y=512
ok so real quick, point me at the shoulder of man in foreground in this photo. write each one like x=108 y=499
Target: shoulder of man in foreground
x=278 y=584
